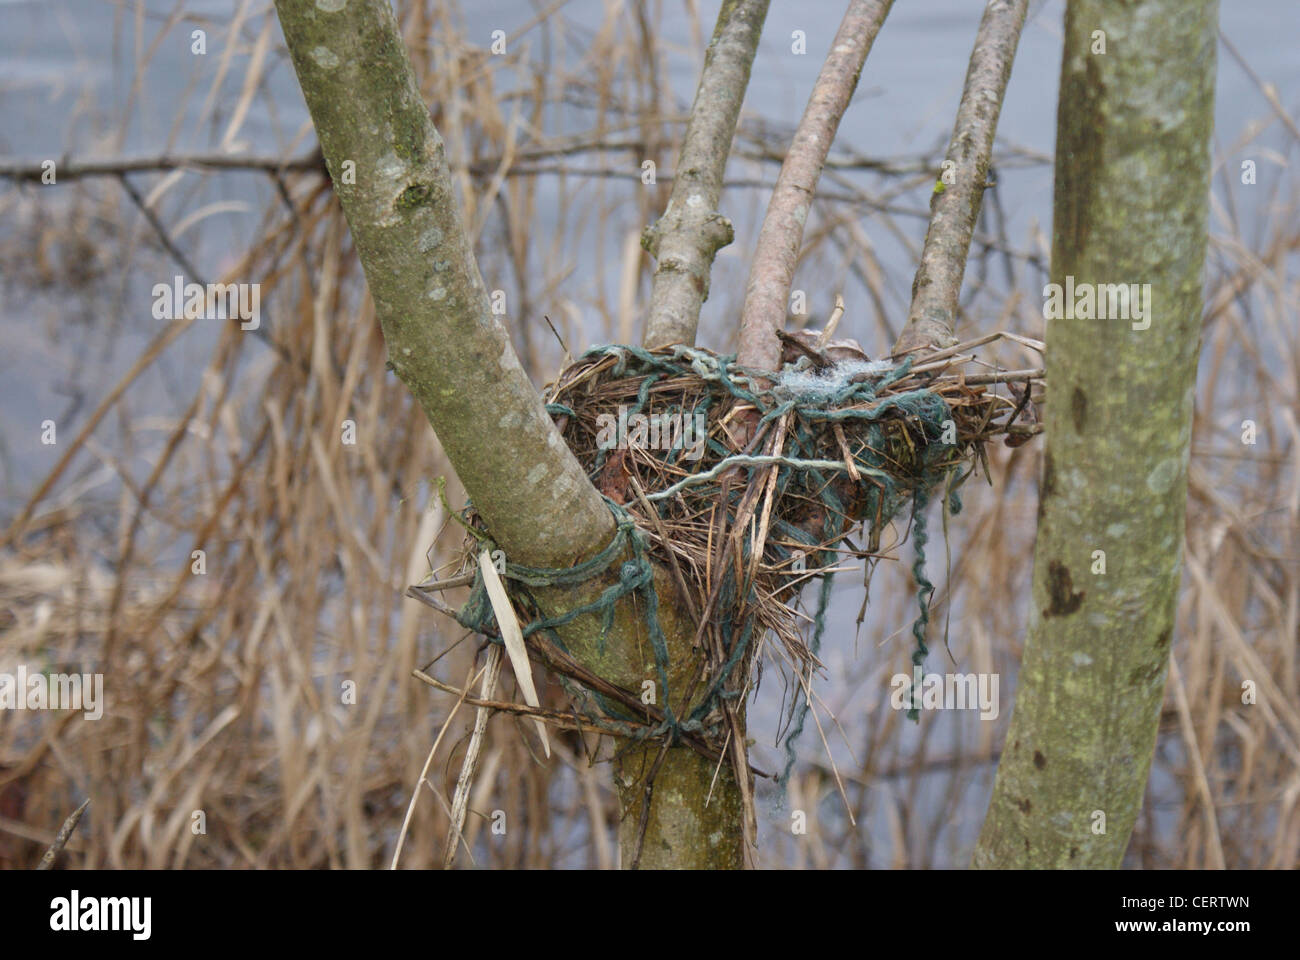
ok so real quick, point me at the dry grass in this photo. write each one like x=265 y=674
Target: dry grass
x=226 y=691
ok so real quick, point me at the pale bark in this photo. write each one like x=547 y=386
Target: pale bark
x=772 y=271
x=444 y=343
x=955 y=205
x=688 y=236
x=1131 y=202
x=456 y=359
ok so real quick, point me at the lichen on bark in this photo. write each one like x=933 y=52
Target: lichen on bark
x=444 y=343
x=390 y=173
x=1131 y=202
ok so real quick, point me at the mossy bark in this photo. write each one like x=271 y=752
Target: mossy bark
x=695 y=817
x=696 y=831
x=390 y=173
x=1131 y=201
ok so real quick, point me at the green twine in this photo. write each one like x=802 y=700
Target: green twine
x=635 y=576
x=797 y=467
x=925 y=590
x=801 y=704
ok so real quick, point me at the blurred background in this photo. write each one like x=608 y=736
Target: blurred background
x=224 y=692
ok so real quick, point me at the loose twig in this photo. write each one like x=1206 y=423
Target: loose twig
x=61 y=840
x=772 y=270
x=460 y=800
x=424 y=775
x=955 y=203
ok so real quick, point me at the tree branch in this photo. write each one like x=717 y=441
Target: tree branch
x=61 y=841
x=443 y=341
x=68 y=168
x=688 y=236
x=772 y=270
x=526 y=162
x=955 y=203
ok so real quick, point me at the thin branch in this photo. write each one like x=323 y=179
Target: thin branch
x=955 y=203
x=61 y=840
x=424 y=774
x=468 y=766
x=772 y=270
x=169 y=245
x=688 y=236
x=67 y=168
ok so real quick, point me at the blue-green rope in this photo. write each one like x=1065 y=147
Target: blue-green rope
x=884 y=498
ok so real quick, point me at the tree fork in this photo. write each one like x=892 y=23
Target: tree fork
x=390 y=173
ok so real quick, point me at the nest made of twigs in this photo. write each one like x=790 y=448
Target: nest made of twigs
x=792 y=531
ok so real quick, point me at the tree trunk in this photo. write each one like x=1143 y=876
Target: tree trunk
x=390 y=173
x=1132 y=179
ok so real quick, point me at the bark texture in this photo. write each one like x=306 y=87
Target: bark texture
x=681 y=782
x=777 y=252
x=389 y=169
x=955 y=205
x=444 y=343
x=689 y=235
x=1131 y=202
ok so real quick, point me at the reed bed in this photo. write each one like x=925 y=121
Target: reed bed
x=275 y=692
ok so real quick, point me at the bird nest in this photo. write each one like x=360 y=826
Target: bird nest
x=749 y=485
x=833 y=443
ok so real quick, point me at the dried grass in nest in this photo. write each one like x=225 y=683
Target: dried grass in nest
x=684 y=527
x=816 y=475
